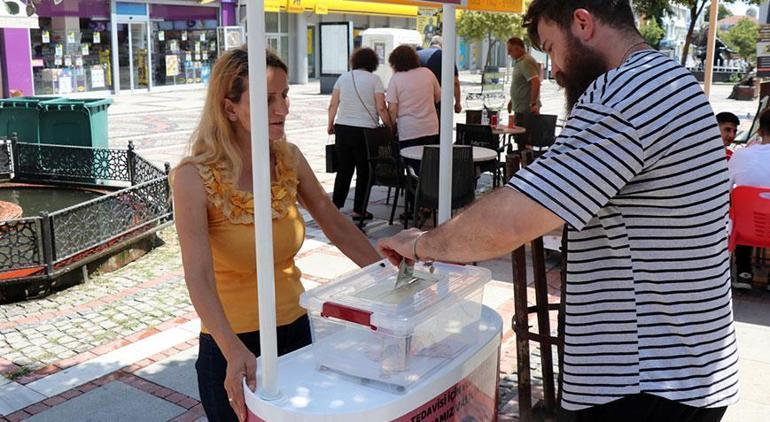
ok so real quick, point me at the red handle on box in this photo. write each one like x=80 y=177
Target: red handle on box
x=347 y=313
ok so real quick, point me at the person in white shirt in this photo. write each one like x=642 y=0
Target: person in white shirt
x=357 y=103
x=750 y=167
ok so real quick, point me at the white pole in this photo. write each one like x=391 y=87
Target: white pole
x=710 y=48
x=263 y=221
x=447 y=112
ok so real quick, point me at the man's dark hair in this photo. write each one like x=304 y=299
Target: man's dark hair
x=516 y=41
x=727 y=117
x=764 y=122
x=404 y=58
x=364 y=58
x=615 y=13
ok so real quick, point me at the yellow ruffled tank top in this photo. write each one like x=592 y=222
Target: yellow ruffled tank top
x=230 y=213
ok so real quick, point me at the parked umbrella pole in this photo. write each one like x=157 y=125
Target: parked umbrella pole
x=710 y=48
x=267 y=386
x=447 y=112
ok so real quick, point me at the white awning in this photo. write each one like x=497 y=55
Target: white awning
x=13 y=14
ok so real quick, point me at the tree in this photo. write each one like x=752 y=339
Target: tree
x=697 y=7
x=494 y=27
x=742 y=38
x=652 y=32
x=722 y=13
x=652 y=9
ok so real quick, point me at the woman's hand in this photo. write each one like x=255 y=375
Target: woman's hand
x=240 y=363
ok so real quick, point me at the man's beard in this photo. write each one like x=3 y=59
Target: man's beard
x=581 y=67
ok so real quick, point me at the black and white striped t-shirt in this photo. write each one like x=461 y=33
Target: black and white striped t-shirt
x=639 y=175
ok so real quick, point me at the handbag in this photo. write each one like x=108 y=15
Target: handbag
x=331 y=157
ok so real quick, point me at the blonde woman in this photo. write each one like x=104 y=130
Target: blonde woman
x=214 y=220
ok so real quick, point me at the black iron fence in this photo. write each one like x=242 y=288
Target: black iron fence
x=57 y=241
x=5 y=160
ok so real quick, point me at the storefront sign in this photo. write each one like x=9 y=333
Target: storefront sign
x=97 y=77
x=84 y=49
x=763 y=51
x=296 y=6
x=97 y=37
x=321 y=7
x=161 y=36
x=274 y=5
x=172 y=65
x=46 y=37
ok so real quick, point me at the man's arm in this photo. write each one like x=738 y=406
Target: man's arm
x=458 y=100
x=497 y=224
x=534 y=101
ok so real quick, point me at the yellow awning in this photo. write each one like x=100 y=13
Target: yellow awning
x=397 y=8
x=510 y=6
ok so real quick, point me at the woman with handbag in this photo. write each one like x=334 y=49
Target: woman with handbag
x=357 y=100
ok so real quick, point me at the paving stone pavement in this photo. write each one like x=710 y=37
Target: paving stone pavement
x=147 y=299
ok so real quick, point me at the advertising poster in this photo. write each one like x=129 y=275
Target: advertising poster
x=203 y=36
x=59 y=50
x=84 y=49
x=46 y=37
x=70 y=38
x=197 y=46
x=78 y=61
x=67 y=61
x=184 y=36
x=97 y=77
x=161 y=36
x=173 y=45
x=97 y=37
x=428 y=24
x=172 y=65
x=65 y=84
x=188 y=56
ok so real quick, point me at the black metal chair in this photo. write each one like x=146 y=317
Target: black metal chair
x=541 y=131
x=463 y=180
x=482 y=136
x=385 y=169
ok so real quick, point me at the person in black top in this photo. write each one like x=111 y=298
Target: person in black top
x=431 y=58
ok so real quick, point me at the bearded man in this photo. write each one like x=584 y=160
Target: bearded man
x=638 y=175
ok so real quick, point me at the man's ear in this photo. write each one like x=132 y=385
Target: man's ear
x=230 y=112
x=583 y=24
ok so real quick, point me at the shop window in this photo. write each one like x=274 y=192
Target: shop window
x=183 y=51
x=71 y=60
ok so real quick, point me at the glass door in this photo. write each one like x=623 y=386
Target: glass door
x=133 y=58
x=140 y=56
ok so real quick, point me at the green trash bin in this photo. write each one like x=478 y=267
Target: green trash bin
x=22 y=116
x=75 y=122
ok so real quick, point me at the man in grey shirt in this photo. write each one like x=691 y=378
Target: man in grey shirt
x=525 y=82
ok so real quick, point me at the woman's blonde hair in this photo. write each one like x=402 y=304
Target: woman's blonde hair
x=213 y=141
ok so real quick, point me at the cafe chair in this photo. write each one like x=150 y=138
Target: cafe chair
x=385 y=169
x=463 y=180
x=541 y=131
x=482 y=136
x=750 y=216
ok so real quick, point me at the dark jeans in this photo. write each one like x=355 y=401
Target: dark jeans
x=351 y=155
x=743 y=259
x=642 y=408
x=212 y=366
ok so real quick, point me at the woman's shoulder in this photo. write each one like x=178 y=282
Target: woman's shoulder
x=188 y=180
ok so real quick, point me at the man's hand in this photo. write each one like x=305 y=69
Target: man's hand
x=535 y=109
x=510 y=106
x=330 y=129
x=399 y=246
x=458 y=108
